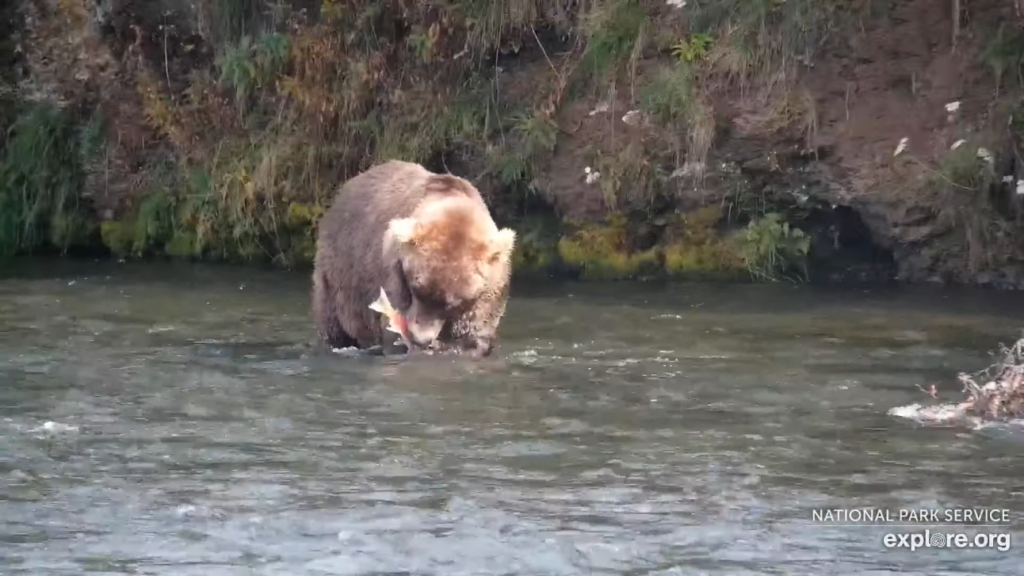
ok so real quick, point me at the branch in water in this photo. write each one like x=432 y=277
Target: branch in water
x=1002 y=394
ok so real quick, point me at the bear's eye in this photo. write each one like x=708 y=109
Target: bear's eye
x=430 y=298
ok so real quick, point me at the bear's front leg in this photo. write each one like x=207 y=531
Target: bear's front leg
x=472 y=346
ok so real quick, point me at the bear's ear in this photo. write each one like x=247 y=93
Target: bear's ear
x=403 y=230
x=502 y=244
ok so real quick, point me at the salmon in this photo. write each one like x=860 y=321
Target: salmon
x=396 y=322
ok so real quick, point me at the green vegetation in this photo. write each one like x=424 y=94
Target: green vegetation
x=1004 y=54
x=236 y=225
x=763 y=38
x=696 y=250
x=673 y=99
x=965 y=190
x=247 y=65
x=614 y=34
x=41 y=182
x=240 y=157
x=692 y=49
x=604 y=253
x=767 y=249
x=964 y=170
x=770 y=248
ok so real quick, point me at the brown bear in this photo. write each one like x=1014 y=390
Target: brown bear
x=429 y=240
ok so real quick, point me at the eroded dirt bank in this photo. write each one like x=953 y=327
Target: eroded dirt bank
x=622 y=138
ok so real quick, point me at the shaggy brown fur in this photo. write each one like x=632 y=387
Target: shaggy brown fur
x=427 y=239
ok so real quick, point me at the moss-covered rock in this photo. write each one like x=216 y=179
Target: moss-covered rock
x=693 y=248
x=303 y=216
x=184 y=244
x=603 y=252
x=702 y=261
x=117 y=237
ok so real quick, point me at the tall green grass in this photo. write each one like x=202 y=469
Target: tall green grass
x=41 y=180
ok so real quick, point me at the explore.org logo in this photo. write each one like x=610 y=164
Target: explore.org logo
x=929 y=539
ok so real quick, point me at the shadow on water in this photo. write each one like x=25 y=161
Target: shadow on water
x=172 y=419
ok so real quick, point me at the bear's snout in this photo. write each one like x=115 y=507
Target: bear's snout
x=480 y=347
x=423 y=333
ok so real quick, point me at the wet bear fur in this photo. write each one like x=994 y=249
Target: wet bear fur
x=429 y=240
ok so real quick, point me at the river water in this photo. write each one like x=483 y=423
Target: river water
x=161 y=419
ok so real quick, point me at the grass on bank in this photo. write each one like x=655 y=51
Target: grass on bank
x=977 y=212
x=1003 y=55
x=260 y=141
x=41 y=182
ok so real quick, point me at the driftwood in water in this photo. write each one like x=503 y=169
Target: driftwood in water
x=1002 y=394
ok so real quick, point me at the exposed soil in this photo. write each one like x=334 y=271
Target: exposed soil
x=891 y=82
x=890 y=79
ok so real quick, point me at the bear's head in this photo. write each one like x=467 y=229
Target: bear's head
x=451 y=257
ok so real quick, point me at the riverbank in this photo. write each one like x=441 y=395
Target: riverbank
x=622 y=139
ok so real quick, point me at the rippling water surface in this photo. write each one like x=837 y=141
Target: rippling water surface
x=175 y=420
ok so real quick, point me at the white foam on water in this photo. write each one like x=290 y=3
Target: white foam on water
x=950 y=415
x=347 y=351
x=937 y=414
x=54 y=428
